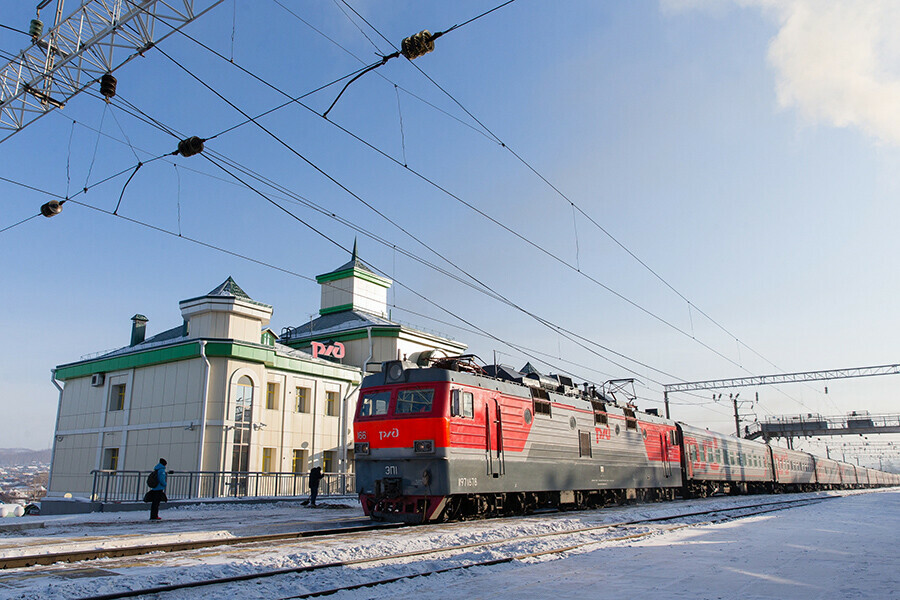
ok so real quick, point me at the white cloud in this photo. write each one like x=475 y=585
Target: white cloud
x=836 y=61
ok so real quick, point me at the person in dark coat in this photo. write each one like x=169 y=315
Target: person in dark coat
x=315 y=476
x=158 y=493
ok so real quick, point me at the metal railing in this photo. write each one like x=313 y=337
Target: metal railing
x=130 y=486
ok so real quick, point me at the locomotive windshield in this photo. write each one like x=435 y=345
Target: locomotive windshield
x=374 y=403
x=414 y=401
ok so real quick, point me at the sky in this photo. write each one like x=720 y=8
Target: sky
x=671 y=190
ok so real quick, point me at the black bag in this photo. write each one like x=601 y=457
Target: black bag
x=153 y=479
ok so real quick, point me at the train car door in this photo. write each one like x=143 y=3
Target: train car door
x=664 y=445
x=493 y=425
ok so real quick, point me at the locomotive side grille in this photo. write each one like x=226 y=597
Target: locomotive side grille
x=541 y=401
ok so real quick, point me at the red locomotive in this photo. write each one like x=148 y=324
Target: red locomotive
x=455 y=440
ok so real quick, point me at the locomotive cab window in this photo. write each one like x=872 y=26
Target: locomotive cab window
x=414 y=401
x=462 y=404
x=374 y=403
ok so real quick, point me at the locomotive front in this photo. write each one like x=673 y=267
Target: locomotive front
x=401 y=435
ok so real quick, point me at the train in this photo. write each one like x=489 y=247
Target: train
x=451 y=439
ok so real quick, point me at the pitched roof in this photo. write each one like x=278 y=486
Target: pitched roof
x=230 y=288
x=334 y=323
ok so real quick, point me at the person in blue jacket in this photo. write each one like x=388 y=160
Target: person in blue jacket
x=158 y=493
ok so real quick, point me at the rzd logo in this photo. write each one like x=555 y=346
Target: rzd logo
x=335 y=350
x=393 y=433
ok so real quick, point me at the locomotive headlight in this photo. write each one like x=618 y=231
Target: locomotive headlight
x=424 y=447
x=361 y=448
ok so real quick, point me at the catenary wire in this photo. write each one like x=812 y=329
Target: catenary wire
x=336 y=182
x=129 y=142
x=444 y=190
x=593 y=221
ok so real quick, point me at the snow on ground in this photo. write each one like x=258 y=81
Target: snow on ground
x=838 y=548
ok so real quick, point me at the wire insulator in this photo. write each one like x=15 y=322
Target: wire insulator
x=108 y=86
x=190 y=146
x=417 y=45
x=36 y=28
x=51 y=209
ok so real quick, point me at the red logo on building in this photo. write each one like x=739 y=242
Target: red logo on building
x=334 y=350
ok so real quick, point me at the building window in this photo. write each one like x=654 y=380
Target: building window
x=303 y=395
x=117 y=397
x=243 y=411
x=268 y=460
x=272 y=396
x=329 y=461
x=298 y=465
x=331 y=404
x=111 y=459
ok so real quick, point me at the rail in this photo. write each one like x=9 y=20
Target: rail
x=130 y=486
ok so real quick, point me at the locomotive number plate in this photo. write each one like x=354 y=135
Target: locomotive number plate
x=468 y=482
x=391 y=470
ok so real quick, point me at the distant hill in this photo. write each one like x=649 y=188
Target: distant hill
x=11 y=457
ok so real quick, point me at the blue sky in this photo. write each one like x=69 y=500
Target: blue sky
x=745 y=151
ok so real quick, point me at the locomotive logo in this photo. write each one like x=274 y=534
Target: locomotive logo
x=603 y=434
x=391 y=433
x=335 y=350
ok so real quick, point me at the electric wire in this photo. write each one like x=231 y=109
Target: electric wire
x=14 y=29
x=533 y=354
x=469 y=205
x=437 y=186
x=339 y=184
x=591 y=219
x=379 y=73
x=8 y=227
x=467 y=21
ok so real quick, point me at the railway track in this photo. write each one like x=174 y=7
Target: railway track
x=94 y=554
x=618 y=531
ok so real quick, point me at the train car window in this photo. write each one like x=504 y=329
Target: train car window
x=414 y=401
x=374 y=403
x=541 y=401
x=462 y=404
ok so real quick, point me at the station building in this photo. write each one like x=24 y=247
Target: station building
x=221 y=392
x=354 y=314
